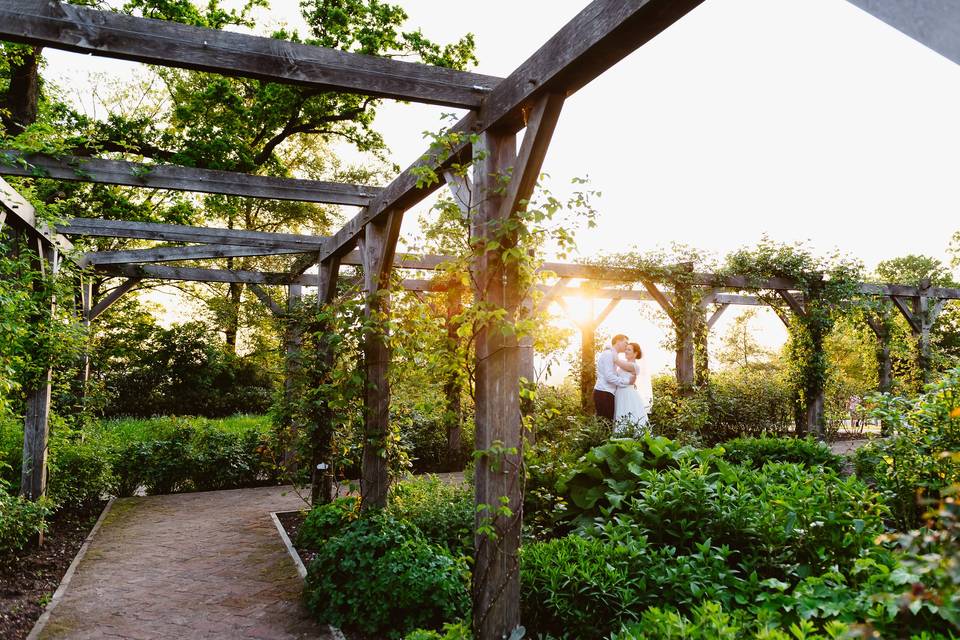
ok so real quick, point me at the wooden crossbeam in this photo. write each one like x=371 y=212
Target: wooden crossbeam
x=712 y=320
x=103 y=33
x=179 y=233
x=792 y=302
x=907 y=313
x=123 y=288
x=177 y=178
x=171 y=254
x=601 y=35
x=607 y=310
x=264 y=296
x=658 y=295
x=185 y=274
x=14 y=206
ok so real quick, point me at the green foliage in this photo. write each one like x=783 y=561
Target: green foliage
x=733 y=403
x=184 y=370
x=450 y=631
x=576 y=587
x=755 y=452
x=20 y=520
x=915 y=459
x=828 y=286
x=79 y=468
x=381 y=576
x=443 y=512
x=193 y=456
x=325 y=521
x=597 y=485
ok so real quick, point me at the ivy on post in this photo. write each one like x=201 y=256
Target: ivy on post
x=319 y=334
x=44 y=265
x=377 y=248
x=505 y=180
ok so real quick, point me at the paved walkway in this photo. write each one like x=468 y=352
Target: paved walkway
x=198 y=565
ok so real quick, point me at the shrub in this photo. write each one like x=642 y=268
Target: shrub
x=326 y=521
x=912 y=460
x=450 y=631
x=755 y=452
x=579 y=587
x=79 y=469
x=443 y=512
x=596 y=486
x=20 y=520
x=381 y=576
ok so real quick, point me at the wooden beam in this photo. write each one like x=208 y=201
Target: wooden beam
x=601 y=35
x=536 y=140
x=17 y=208
x=179 y=233
x=712 y=320
x=933 y=23
x=264 y=296
x=549 y=293
x=907 y=313
x=104 y=304
x=177 y=178
x=461 y=187
x=327 y=274
x=103 y=33
x=657 y=295
x=172 y=254
x=606 y=312
x=792 y=302
x=188 y=274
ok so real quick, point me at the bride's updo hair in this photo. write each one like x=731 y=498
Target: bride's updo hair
x=636 y=350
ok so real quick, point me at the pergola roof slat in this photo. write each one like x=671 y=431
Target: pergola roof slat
x=116 y=35
x=177 y=178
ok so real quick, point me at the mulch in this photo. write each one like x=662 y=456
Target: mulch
x=29 y=577
x=292 y=522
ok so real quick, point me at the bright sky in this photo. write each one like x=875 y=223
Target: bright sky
x=801 y=119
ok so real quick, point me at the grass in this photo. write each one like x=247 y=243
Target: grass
x=141 y=429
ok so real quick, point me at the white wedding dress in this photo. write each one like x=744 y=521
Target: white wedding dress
x=632 y=404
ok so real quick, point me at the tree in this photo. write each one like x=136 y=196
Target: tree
x=739 y=346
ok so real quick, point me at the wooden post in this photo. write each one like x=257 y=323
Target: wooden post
x=86 y=305
x=452 y=387
x=588 y=369
x=36 y=426
x=377 y=247
x=499 y=482
x=322 y=478
x=292 y=343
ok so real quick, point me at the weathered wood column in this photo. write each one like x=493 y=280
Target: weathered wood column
x=322 y=478
x=377 y=247
x=452 y=388
x=292 y=344
x=36 y=424
x=499 y=437
x=882 y=328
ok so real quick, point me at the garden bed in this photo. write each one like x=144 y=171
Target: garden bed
x=291 y=521
x=31 y=575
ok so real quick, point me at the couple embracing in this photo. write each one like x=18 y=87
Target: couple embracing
x=623 y=391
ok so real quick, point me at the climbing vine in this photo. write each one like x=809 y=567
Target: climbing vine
x=828 y=286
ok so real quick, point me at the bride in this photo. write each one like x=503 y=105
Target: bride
x=632 y=403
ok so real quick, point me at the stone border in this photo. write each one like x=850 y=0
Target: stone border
x=301 y=569
x=65 y=582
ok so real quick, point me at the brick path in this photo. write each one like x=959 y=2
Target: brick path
x=199 y=565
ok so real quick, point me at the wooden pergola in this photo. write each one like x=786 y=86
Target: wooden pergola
x=529 y=99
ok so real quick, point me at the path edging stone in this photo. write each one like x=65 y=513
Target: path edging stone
x=65 y=582
x=301 y=569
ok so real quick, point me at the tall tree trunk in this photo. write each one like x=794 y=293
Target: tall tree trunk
x=21 y=101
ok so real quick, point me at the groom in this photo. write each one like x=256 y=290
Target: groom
x=607 y=379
